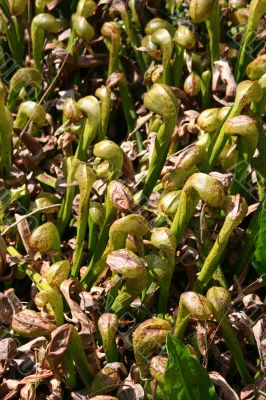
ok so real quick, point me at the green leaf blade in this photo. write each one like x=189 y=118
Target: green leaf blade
x=185 y=378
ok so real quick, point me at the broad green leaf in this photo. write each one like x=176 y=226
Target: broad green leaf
x=185 y=378
x=259 y=255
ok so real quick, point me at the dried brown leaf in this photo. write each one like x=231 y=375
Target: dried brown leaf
x=56 y=390
x=28 y=392
x=87 y=327
x=130 y=389
x=24 y=232
x=247 y=393
x=6 y=310
x=7 y=386
x=29 y=141
x=8 y=350
x=103 y=398
x=223 y=74
x=224 y=389
x=241 y=322
x=127 y=168
x=41 y=377
x=140 y=122
x=129 y=148
x=32 y=345
x=65 y=140
x=251 y=300
x=58 y=345
x=83 y=395
x=2 y=255
x=121 y=197
x=14 y=301
x=259 y=331
x=52 y=4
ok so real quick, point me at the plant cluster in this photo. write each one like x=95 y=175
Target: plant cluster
x=132 y=199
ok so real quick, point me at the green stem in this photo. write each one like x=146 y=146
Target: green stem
x=92 y=238
x=129 y=110
x=133 y=39
x=178 y=65
x=247 y=91
x=163 y=297
x=233 y=218
x=218 y=275
x=111 y=31
x=240 y=173
x=213 y=25
x=111 y=354
x=87 y=135
x=94 y=270
x=85 y=178
x=78 y=355
x=162 y=38
x=6 y=130
x=232 y=344
x=248 y=243
x=20 y=272
x=206 y=88
x=164 y=240
x=70 y=376
x=181 y=322
x=22 y=78
x=127 y=264
x=104 y=233
x=89 y=105
x=197 y=186
x=122 y=302
x=212 y=261
x=244 y=53
x=105 y=113
x=14 y=41
x=65 y=210
x=114 y=48
x=41 y=24
x=55 y=299
x=70 y=43
x=97 y=264
x=154 y=101
x=107 y=325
